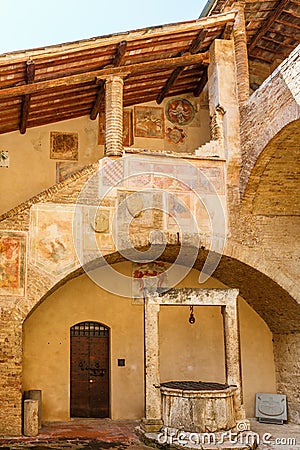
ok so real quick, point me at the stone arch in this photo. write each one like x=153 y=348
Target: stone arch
x=270 y=109
x=273 y=303
x=276 y=171
x=269 y=299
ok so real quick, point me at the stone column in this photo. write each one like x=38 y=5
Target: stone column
x=114 y=116
x=223 y=101
x=153 y=416
x=31 y=419
x=241 y=53
x=232 y=354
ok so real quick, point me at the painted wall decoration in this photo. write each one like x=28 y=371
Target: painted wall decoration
x=101 y=128
x=213 y=179
x=175 y=135
x=52 y=245
x=142 y=171
x=97 y=229
x=180 y=212
x=111 y=172
x=180 y=111
x=152 y=274
x=65 y=169
x=148 y=122
x=166 y=178
x=127 y=128
x=64 y=146
x=12 y=263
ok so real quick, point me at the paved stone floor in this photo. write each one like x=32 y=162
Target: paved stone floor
x=277 y=437
x=106 y=434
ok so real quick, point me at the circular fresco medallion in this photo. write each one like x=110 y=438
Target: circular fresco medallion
x=175 y=135
x=180 y=111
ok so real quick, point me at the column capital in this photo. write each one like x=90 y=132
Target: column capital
x=112 y=78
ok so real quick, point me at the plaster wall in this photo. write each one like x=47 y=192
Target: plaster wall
x=187 y=352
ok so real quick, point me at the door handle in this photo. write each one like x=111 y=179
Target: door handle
x=91 y=381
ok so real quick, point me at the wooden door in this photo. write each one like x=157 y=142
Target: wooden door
x=89 y=370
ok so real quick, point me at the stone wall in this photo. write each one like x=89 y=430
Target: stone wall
x=287 y=361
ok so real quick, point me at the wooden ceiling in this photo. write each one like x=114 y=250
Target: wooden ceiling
x=273 y=27
x=62 y=82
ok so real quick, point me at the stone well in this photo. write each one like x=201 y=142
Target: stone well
x=198 y=407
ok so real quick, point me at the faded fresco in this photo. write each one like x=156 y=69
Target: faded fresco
x=127 y=128
x=97 y=229
x=64 y=145
x=152 y=274
x=149 y=122
x=175 y=135
x=211 y=179
x=180 y=111
x=101 y=128
x=52 y=246
x=65 y=169
x=12 y=263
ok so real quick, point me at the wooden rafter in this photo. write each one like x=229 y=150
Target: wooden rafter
x=201 y=85
x=227 y=30
x=171 y=80
x=99 y=99
x=275 y=14
x=99 y=75
x=117 y=61
x=197 y=41
x=120 y=53
x=193 y=49
x=30 y=71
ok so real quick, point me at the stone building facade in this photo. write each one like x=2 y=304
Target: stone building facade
x=195 y=193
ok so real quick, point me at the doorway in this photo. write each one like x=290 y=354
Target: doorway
x=89 y=377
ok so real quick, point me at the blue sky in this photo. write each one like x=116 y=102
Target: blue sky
x=37 y=23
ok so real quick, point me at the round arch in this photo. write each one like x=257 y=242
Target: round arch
x=268 y=298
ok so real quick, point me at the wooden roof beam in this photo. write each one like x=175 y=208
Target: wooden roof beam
x=171 y=80
x=117 y=61
x=193 y=49
x=268 y=23
x=201 y=85
x=30 y=72
x=197 y=41
x=120 y=53
x=228 y=29
x=99 y=75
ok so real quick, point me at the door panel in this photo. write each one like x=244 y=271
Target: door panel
x=89 y=370
x=79 y=377
x=99 y=377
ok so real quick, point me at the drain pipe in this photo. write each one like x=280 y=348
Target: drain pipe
x=207 y=8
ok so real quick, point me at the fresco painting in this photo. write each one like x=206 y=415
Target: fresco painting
x=12 y=263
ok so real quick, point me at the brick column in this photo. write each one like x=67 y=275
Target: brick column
x=11 y=375
x=152 y=421
x=114 y=116
x=241 y=54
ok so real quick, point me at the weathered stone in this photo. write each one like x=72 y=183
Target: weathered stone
x=31 y=418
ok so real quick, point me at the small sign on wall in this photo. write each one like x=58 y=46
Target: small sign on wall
x=4 y=158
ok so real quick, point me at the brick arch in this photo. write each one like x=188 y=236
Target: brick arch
x=275 y=176
x=273 y=303
x=270 y=109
